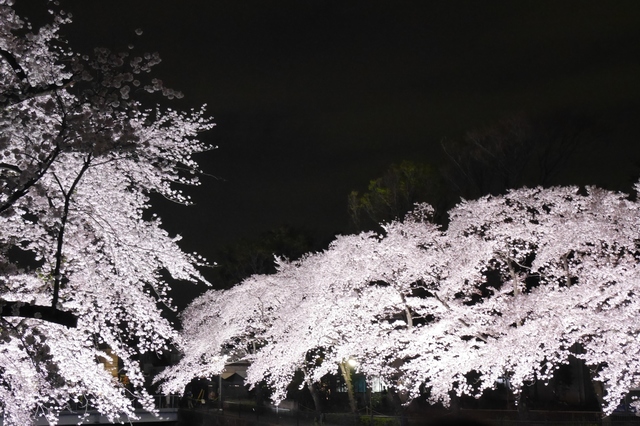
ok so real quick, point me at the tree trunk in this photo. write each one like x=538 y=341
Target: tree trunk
x=598 y=387
x=346 y=375
x=454 y=404
x=317 y=401
x=398 y=406
x=523 y=403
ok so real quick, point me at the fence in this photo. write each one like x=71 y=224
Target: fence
x=244 y=413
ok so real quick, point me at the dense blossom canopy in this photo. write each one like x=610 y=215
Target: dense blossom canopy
x=83 y=265
x=511 y=289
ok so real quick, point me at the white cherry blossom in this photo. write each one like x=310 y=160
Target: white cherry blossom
x=83 y=268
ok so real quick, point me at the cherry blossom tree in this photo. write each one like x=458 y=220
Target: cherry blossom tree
x=315 y=314
x=566 y=265
x=512 y=288
x=83 y=263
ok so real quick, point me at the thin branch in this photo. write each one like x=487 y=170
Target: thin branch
x=28 y=91
x=463 y=322
x=20 y=192
x=44 y=167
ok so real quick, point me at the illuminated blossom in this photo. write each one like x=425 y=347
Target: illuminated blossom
x=83 y=269
x=512 y=288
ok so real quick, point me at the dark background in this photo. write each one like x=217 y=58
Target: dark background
x=313 y=98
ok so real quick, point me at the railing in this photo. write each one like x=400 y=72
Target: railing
x=166 y=405
x=160 y=401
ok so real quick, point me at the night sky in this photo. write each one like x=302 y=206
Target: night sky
x=314 y=98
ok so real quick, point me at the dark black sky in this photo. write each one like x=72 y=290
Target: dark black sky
x=313 y=98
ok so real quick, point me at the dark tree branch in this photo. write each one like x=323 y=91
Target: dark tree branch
x=13 y=62
x=44 y=166
x=20 y=192
x=10 y=167
x=32 y=92
x=44 y=313
x=63 y=222
x=27 y=91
